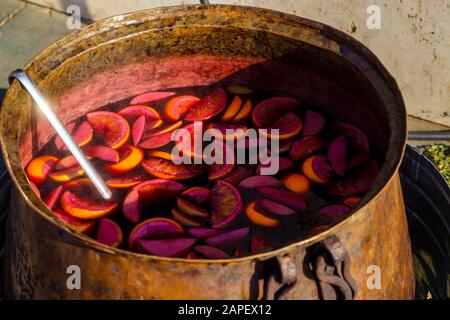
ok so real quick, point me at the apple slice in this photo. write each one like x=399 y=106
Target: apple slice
x=226 y=204
x=102 y=153
x=132 y=113
x=259 y=181
x=274 y=207
x=81 y=136
x=203 y=233
x=177 y=107
x=151 y=97
x=284 y=197
x=337 y=155
x=284 y=164
x=155 y=228
x=211 y=252
x=228 y=238
x=198 y=195
x=208 y=107
x=191 y=209
x=111 y=127
x=266 y=111
x=109 y=233
x=306 y=147
x=137 y=130
x=167 y=247
x=51 y=198
x=313 y=123
x=85 y=208
x=38 y=168
x=131 y=157
x=186 y=220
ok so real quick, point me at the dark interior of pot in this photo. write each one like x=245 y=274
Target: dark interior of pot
x=127 y=67
x=333 y=74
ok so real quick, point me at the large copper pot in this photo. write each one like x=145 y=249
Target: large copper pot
x=198 y=45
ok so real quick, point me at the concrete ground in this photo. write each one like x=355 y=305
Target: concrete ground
x=25 y=29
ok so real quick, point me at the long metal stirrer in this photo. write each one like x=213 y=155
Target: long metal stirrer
x=37 y=96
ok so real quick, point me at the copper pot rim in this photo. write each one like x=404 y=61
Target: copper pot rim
x=388 y=172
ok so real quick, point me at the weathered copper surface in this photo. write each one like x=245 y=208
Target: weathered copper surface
x=203 y=45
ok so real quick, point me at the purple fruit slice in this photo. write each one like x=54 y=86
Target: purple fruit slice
x=268 y=110
x=131 y=113
x=156 y=141
x=52 y=197
x=284 y=164
x=357 y=139
x=313 y=123
x=81 y=136
x=155 y=228
x=274 y=207
x=239 y=174
x=185 y=219
x=226 y=204
x=321 y=167
x=168 y=247
x=208 y=107
x=109 y=233
x=337 y=155
x=151 y=96
x=228 y=238
x=287 y=198
x=288 y=125
x=154 y=191
x=306 y=146
x=102 y=153
x=259 y=181
x=357 y=181
x=166 y=169
x=330 y=214
x=67 y=162
x=191 y=209
x=198 y=195
x=138 y=130
x=202 y=233
x=211 y=252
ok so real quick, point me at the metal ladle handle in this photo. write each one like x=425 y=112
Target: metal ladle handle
x=37 y=96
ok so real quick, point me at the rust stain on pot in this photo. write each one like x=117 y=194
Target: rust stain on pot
x=204 y=45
